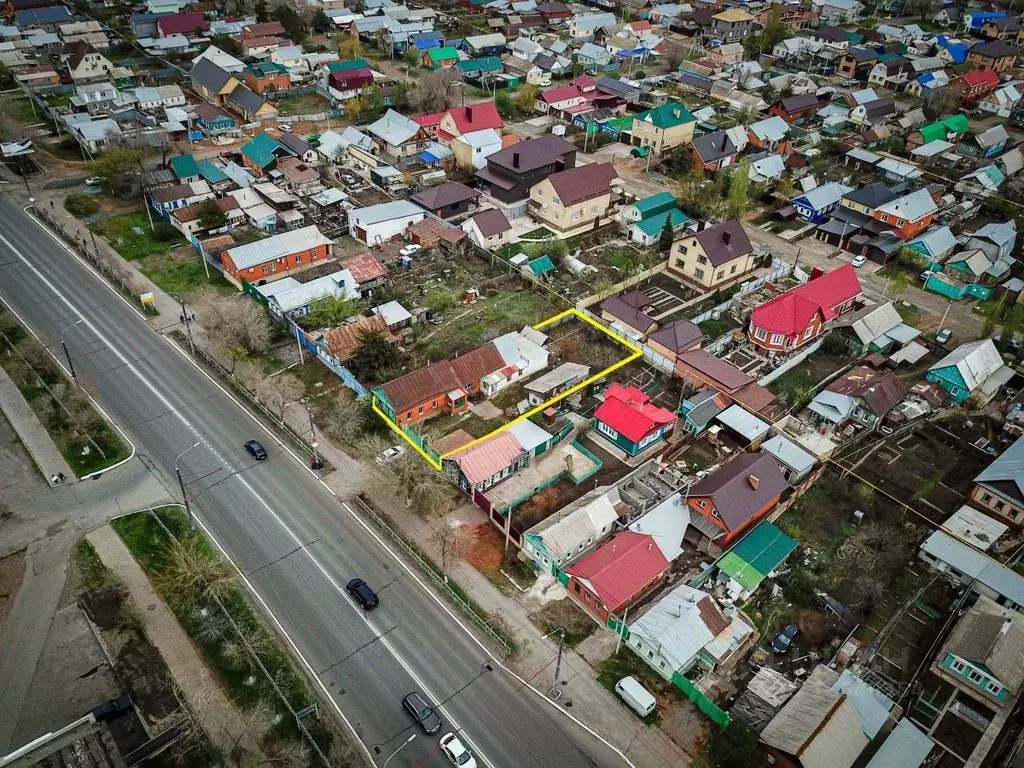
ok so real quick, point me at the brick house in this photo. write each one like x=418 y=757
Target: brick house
x=712 y=151
x=511 y=172
x=974 y=86
x=795 y=108
x=712 y=257
x=999 y=490
x=573 y=198
x=726 y=503
x=617 y=574
x=909 y=215
x=266 y=76
x=277 y=256
x=995 y=55
x=701 y=369
x=797 y=317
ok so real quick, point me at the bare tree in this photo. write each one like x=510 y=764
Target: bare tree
x=423 y=488
x=237 y=325
x=196 y=574
x=673 y=57
x=278 y=391
x=450 y=543
x=280 y=753
x=432 y=93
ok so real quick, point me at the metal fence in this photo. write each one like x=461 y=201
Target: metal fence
x=439 y=578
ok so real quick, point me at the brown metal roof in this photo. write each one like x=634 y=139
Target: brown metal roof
x=443 y=376
x=583 y=182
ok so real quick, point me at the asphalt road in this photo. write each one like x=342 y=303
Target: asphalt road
x=294 y=542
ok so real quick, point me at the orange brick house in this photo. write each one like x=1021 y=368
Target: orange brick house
x=617 y=574
x=265 y=76
x=441 y=387
x=726 y=503
x=909 y=215
x=275 y=257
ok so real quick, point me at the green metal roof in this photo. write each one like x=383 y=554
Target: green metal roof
x=939 y=129
x=260 y=149
x=655 y=204
x=885 y=57
x=667 y=115
x=758 y=554
x=443 y=54
x=343 y=66
x=184 y=166
x=855 y=39
x=542 y=265
x=484 y=64
x=265 y=68
x=211 y=172
x=655 y=224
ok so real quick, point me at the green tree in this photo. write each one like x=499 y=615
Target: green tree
x=228 y=44
x=81 y=205
x=898 y=284
x=503 y=103
x=120 y=168
x=526 y=98
x=373 y=104
x=321 y=23
x=400 y=95
x=293 y=24
x=739 y=190
x=5 y=75
x=350 y=48
x=329 y=312
x=261 y=11
x=734 y=747
x=775 y=31
x=666 y=237
x=374 y=356
x=211 y=216
x=412 y=59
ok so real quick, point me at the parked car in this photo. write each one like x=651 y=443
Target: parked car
x=925 y=275
x=362 y=594
x=456 y=751
x=858 y=261
x=944 y=335
x=256 y=450
x=349 y=179
x=422 y=711
x=783 y=641
x=286 y=127
x=410 y=249
x=94 y=181
x=392 y=453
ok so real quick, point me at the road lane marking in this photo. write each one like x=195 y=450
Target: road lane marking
x=524 y=683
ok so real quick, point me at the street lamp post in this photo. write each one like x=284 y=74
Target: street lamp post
x=313 y=444
x=188 y=326
x=403 y=745
x=555 y=691
x=181 y=484
x=71 y=364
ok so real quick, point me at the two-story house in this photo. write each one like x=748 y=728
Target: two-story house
x=996 y=239
x=264 y=76
x=862 y=396
x=586 y=26
x=797 y=317
x=795 y=108
x=732 y=25
x=770 y=134
x=836 y=13
x=995 y=55
x=981 y=658
x=873 y=113
x=712 y=152
x=396 y=136
x=857 y=63
x=663 y=128
x=866 y=199
x=909 y=215
x=891 y=71
x=94 y=97
x=85 y=63
x=816 y=205
x=574 y=198
x=510 y=173
x=733 y=498
x=999 y=490
x=713 y=257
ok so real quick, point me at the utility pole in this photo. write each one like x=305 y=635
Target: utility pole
x=188 y=324
x=555 y=691
x=71 y=363
x=181 y=485
x=317 y=461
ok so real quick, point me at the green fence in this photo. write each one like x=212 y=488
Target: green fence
x=953 y=291
x=598 y=463
x=717 y=715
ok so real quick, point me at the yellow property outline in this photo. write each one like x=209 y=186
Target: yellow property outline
x=636 y=353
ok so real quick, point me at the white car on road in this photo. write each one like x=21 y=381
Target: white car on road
x=456 y=751
x=858 y=261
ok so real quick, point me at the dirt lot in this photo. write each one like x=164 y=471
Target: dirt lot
x=930 y=469
x=12 y=570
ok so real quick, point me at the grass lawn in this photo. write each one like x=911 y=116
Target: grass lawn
x=714 y=329
x=804 y=377
x=478 y=427
x=18 y=107
x=485 y=321
x=541 y=233
x=301 y=105
x=626 y=664
x=151 y=546
x=910 y=313
x=162 y=254
x=569 y=616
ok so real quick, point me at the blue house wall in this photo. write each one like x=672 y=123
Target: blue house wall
x=951 y=381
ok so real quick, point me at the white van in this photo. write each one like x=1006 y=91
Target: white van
x=636 y=696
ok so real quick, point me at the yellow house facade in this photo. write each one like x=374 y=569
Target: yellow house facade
x=574 y=198
x=714 y=257
x=664 y=128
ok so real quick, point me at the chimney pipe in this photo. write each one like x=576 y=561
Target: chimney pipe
x=469 y=112
x=515 y=159
x=754 y=481
x=726 y=237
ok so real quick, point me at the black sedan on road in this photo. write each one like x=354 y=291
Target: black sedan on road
x=362 y=593
x=256 y=450
x=422 y=711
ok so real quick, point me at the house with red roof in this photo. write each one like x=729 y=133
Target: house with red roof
x=181 y=24
x=797 y=317
x=458 y=121
x=560 y=99
x=629 y=419
x=726 y=503
x=616 y=575
x=974 y=86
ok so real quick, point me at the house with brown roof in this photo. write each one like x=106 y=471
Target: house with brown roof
x=367 y=273
x=726 y=503
x=575 y=198
x=713 y=257
x=995 y=55
x=446 y=200
x=862 y=395
x=343 y=341
x=626 y=314
x=795 y=108
x=702 y=369
x=511 y=173
x=675 y=339
x=441 y=387
x=489 y=229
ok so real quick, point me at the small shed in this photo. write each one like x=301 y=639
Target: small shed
x=394 y=314
x=747 y=426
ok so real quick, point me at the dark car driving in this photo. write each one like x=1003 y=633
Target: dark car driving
x=362 y=593
x=783 y=641
x=422 y=711
x=256 y=449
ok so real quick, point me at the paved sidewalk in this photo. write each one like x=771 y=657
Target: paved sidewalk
x=207 y=699
x=31 y=431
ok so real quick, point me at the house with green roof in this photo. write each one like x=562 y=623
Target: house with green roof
x=213 y=175
x=663 y=128
x=645 y=219
x=261 y=152
x=264 y=76
x=344 y=66
x=435 y=58
x=754 y=557
x=185 y=168
x=947 y=129
x=476 y=68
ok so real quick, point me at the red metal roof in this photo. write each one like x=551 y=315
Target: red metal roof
x=791 y=312
x=564 y=93
x=980 y=77
x=182 y=23
x=364 y=267
x=621 y=568
x=488 y=458
x=428 y=120
x=631 y=413
x=477 y=117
